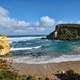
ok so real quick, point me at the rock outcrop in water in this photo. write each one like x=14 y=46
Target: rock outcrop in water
x=65 y=32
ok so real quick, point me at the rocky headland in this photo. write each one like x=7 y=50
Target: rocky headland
x=65 y=32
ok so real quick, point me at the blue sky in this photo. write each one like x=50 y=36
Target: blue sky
x=19 y=17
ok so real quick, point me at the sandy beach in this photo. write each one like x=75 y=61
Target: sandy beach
x=48 y=70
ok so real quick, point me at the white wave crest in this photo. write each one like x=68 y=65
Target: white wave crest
x=22 y=38
x=26 y=48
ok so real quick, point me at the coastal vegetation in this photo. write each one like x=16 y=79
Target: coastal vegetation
x=68 y=75
x=7 y=72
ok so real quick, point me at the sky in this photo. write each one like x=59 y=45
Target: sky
x=36 y=17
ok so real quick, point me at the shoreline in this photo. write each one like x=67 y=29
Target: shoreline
x=44 y=59
x=48 y=69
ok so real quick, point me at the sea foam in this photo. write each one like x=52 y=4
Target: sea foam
x=23 y=38
x=45 y=59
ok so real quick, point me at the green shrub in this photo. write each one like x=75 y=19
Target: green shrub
x=7 y=75
x=7 y=72
x=68 y=75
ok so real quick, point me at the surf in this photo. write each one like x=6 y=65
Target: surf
x=26 y=48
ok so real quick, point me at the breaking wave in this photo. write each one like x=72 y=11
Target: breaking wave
x=26 y=48
x=45 y=59
x=11 y=39
x=34 y=50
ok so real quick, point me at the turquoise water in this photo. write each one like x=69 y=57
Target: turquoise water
x=37 y=49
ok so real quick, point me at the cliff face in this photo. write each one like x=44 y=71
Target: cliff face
x=65 y=32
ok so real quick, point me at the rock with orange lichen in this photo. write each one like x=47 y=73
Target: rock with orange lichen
x=4 y=45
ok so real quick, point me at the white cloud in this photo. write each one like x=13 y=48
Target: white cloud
x=68 y=22
x=43 y=24
x=47 y=21
x=39 y=29
x=3 y=11
x=64 y=22
x=17 y=25
x=8 y=22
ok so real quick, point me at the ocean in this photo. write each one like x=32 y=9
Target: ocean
x=34 y=50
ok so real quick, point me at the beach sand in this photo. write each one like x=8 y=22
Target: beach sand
x=43 y=70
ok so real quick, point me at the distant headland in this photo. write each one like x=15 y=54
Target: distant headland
x=65 y=32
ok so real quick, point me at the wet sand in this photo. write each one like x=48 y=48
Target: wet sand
x=48 y=70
